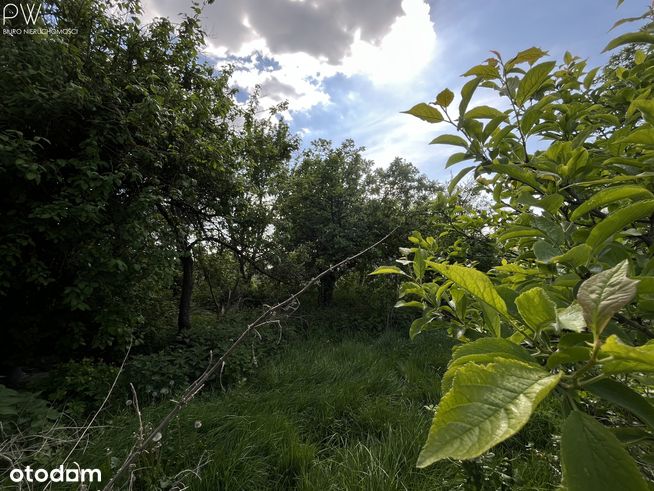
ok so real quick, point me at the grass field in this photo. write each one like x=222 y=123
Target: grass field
x=324 y=414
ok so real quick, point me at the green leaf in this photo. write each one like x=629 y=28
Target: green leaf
x=604 y=294
x=628 y=19
x=571 y=318
x=474 y=282
x=625 y=397
x=617 y=357
x=517 y=173
x=593 y=458
x=631 y=435
x=518 y=231
x=545 y=252
x=445 y=98
x=531 y=56
x=629 y=38
x=610 y=195
x=492 y=321
x=449 y=140
x=456 y=158
x=486 y=72
x=579 y=255
x=426 y=113
x=570 y=354
x=388 y=270
x=483 y=351
x=417 y=326
x=411 y=304
x=645 y=106
x=590 y=78
x=533 y=80
x=467 y=91
x=485 y=406
x=613 y=179
x=551 y=203
x=617 y=220
x=420 y=263
x=455 y=180
x=536 y=309
x=643 y=136
x=577 y=161
x=485 y=112
x=423 y=324
x=410 y=288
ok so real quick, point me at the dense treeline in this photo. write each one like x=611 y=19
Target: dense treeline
x=132 y=176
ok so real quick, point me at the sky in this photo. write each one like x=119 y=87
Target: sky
x=349 y=67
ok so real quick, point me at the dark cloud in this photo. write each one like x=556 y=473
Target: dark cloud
x=319 y=28
x=278 y=89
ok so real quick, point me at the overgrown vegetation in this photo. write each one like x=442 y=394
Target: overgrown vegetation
x=325 y=414
x=560 y=315
x=154 y=213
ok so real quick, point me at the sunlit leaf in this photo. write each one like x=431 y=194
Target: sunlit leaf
x=618 y=357
x=474 y=282
x=483 y=71
x=604 y=294
x=533 y=80
x=485 y=406
x=388 y=270
x=608 y=196
x=531 y=56
x=643 y=136
x=536 y=309
x=483 y=351
x=629 y=38
x=426 y=113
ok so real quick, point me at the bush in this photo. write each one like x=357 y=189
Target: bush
x=24 y=411
x=80 y=386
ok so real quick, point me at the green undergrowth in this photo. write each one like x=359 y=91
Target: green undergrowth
x=327 y=413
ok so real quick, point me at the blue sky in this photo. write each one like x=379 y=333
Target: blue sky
x=348 y=67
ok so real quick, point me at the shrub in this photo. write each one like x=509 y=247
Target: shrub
x=567 y=311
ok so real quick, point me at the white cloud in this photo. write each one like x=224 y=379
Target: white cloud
x=386 y=41
x=402 y=54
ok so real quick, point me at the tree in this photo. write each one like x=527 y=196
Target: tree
x=398 y=195
x=566 y=310
x=80 y=239
x=139 y=160
x=322 y=208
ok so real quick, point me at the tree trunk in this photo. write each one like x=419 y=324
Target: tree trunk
x=326 y=290
x=184 y=318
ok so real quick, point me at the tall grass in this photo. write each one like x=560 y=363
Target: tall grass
x=326 y=414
